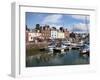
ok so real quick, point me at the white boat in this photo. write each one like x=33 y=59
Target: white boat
x=85 y=49
x=51 y=47
x=68 y=43
x=63 y=46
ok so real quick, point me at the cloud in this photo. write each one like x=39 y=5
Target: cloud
x=80 y=27
x=52 y=19
x=80 y=17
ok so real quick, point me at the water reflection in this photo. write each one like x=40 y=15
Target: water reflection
x=71 y=57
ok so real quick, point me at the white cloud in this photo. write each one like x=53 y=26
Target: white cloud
x=52 y=19
x=80 y=17
x=80 y=27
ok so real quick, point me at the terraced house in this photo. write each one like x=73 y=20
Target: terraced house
x=46 y=32
x=53 y=33
x=33 y=35
x=60 y=35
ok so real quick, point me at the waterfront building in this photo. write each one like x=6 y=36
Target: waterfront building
x=30 y=36
x=33 y=35
x=53 y=33
x=60 y=35
x=46 y=32
x=26 y=33
x=66 y=33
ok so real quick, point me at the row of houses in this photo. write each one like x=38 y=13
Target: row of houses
x=46 y=33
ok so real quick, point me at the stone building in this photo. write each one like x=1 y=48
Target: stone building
x=53 y=33
x=66 y=33
x=46 y=32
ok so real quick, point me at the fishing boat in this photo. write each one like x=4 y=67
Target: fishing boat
x=85 y=50
x=51 y=47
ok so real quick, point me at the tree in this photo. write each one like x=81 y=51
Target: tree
x=61 y=29
x=43 y=27
x=27 y=29
x=54 y=28
x=37 y=27
x=72 y=35
x=47 y=26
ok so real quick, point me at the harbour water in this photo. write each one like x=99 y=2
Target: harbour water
x=70 y=57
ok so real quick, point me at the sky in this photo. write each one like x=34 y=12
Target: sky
x=73 y=22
